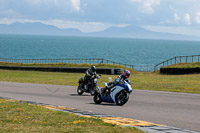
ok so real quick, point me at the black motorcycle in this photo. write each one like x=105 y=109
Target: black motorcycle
x=91 y=85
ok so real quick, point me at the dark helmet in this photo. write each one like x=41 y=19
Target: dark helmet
x=93 y=68
x=127 y=73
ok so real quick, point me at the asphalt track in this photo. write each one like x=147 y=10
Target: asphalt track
x=180 y=110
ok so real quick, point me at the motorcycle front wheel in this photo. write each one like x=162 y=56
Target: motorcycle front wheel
x=92 y=91
x=79 y=90
x=97 y=98
x=121 y=98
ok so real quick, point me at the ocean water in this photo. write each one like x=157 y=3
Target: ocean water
x=138 y=52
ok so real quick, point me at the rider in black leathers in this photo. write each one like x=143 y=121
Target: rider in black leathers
x=88 y=75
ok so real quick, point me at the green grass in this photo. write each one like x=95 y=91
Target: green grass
x=27 y=118
x=140 y=80
x=174 y=83
x=184 y=65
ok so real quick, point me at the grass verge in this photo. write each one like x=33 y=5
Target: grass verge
x=184 y=65
x=65 y=65
x=24 y=117
x=140 y=80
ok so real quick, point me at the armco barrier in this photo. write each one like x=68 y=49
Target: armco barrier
x=64 y=69
x=179 y=70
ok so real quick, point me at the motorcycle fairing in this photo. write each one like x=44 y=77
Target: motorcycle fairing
x=115 y=90
x=107 y=99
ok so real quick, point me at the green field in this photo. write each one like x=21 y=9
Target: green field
x=140 y=80
x=17 y=117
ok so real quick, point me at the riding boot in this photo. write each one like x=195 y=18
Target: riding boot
x=85 y=87
x=103 y=90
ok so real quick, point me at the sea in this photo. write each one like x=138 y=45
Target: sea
x=138 y=52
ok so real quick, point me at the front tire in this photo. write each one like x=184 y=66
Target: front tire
x=121 y=98
x=79 y=90
x=92 y=91
x=97 y=99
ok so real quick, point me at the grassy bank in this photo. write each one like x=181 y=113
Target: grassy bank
x=140 y=80
x=184 y=65
x=23 y=117
x=59 y=65
x=64 y=65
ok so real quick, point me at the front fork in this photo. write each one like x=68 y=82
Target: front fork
x=98 y=89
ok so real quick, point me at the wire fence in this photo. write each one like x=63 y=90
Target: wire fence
x=66 y=60
x=145 y=68
x=178 y=59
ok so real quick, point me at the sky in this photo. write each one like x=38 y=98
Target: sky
x=172 y=16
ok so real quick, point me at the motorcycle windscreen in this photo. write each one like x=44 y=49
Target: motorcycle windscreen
x=107 y=99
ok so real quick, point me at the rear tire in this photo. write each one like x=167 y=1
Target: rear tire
x=97 y=99
x=121 y=98
x=79 y=90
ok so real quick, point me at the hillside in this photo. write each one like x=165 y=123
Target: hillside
x=130 y=31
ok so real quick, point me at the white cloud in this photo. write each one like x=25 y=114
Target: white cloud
x=60 y=5
x=10 y=13
x=76 y=4
x=188 y=19
x=136 y=0
x=176 y=17
x=38 y=2
x=181 y=18
x=197 y=18
x=147 y=5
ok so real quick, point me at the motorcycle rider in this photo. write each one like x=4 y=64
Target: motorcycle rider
x=89 y=73
x=119 y=80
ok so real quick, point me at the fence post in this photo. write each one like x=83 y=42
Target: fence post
x=155 y=68
x=175 y=60
x=192 y=59
x=186 y=59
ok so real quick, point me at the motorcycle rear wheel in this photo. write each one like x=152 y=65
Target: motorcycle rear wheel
x=97 y=98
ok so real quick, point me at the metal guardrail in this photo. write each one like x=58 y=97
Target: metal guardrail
x=178 y=59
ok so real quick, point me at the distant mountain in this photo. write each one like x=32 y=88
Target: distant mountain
x=138 y=32
x=36 y=29
x=130 y=31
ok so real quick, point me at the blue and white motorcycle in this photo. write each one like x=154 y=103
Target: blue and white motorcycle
x=118 y=94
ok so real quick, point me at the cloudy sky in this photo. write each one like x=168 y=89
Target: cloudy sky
x=174 y=16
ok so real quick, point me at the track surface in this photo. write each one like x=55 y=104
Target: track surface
x=172 y=109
